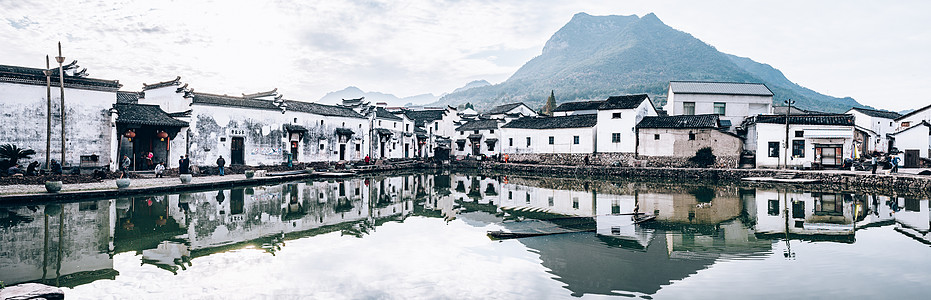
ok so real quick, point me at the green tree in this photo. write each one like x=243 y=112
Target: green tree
x=550 y=104
x=14 y=154
x=703 y=157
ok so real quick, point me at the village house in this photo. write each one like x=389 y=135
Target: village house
x=915 y=143
x=617 y=118
x=816 y=140
x=29 y=106
x=435 y=128
x=478 y=137
x=732 y=101
x=256 y=129
x=574 y=134
x=873 y=127
x=914 y=117
x=682 y=136
x=510 y=111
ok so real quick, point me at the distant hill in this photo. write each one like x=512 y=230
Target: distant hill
x=473 y=84
x=593 y=57
x=375 y=97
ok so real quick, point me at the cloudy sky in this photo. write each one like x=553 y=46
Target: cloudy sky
x=874 y=51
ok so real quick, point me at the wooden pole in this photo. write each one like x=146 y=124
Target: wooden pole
x=61 y=82
x=48 y=125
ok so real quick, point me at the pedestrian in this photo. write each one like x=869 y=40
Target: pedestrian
x=895 y=164
x=125 y=163
x=32 y=169
x=506 y=158
x=586 y=160
x=220 y=163
x=182 y=165
x=15 y=170
x=873 y=160
x=159 y=169
x=55 y=167
x=367 y=159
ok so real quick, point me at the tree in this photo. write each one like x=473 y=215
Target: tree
x=14 y=154
x=550 y=104
x=703 y=157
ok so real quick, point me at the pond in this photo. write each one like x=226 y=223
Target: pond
x=425 y=236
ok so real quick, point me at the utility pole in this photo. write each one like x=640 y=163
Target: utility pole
x=48 y=124
x=785 y=164
x=61 y=82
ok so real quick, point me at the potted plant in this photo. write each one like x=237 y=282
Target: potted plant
x=186 y=178
x=53 y=186
x=122 y=183
x=249 y=173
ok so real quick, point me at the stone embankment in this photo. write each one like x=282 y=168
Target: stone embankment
x=833 y=180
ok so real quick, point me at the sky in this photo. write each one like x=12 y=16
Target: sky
x=873 y=51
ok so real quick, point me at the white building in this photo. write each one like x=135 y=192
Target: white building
x=89 y=124
x=732 y=101
x=803 y=213
x=915 y=142
x=914 y=117
x=438 y=127
x=878 y=123
x=565 y=134
x=683 y=136
x=478 y=137
x=393 y=135
x=510 y=111
x=814 y=140
x=617 y=118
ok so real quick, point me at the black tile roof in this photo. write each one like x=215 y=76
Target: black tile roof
x=825 y=119
x=127 y=97
x=425 y=115
x=33 y=76
x=294 y=128
x=878 y=113
x=500 y=109
x=176 y=81
x=573 y=121
x=299 y=106
x=145 y=114
x=683 y=121
x=613 y=102
x=913 y=112
x=382 y=113
x=482 y=124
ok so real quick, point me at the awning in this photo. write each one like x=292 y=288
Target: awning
x=461 y=141
x=294 y=128
x=383 y=131
x=344 y=131
x=829 y=133
x=475 y=136
x=491 y=141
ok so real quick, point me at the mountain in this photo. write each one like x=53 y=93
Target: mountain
x=375 y=97
x=473 y=84
x=593 y=57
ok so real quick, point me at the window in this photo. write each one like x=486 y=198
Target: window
x=772 y=207
x=773 y=149
x=344 y=124
x=394 y=124
x=720 y=108
x=491 y=131
x=436 y=126
x=552 y=140
x=616 y=137
x=906 y=124
x=656 y=137
x=575 y=140
x=688 y=108
x=475 y=131
x=321 y=146
x=461 y=132
x=358 y=147
x=321 y=122
x=616 y=115
x=510 y=142
x=407 y=127
x=799 y=133
x=575 y=202
x=528 y=141
x=798 y=148
x=510 y=195
x=491 y=146
x=549 y=201
x=691 y=136
x=295 y=120
x=379 y=122
x=528 y=197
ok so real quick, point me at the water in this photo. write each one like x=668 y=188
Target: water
x=424 y=236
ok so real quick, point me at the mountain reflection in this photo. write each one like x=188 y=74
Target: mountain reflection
x=696 y=224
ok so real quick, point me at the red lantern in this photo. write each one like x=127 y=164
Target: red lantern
x=130 y=134
x=162 y=135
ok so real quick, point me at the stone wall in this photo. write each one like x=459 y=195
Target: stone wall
x=615 y=160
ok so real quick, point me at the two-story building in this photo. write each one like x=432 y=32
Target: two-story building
x=814 y=140
x=732 y=101
x=617 y=118
x=877 y=125
x=564 y=134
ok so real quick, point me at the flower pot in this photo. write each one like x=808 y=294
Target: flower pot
x=250 y=173
x=186 y=178
x=122 y=183
x=53 y=186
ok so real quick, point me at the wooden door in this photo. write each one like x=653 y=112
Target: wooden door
x=911 y=158
x=237 y=151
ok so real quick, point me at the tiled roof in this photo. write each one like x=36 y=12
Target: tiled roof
x=382 y=113
x=825 y=119
x=683 y=121
x=613 y=102
x=878 y=113
x=500 y=109
x=573 y=121
x=145 y=114
x=579 y=105
x=298 y=106
x=923 y=123
x=483 y=124
x=33 y=76
x=914 y=112
x=425 y=115
x=176 y=81
x=719 y=88
x=624 y=102
x=127 y=97
x=294 y=128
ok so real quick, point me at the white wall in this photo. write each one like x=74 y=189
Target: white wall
x=626 y=126
x=912 y=120
x=737 y=108
x=563 y=140
x=820 y=134
x=881 y=126
x=914 y=139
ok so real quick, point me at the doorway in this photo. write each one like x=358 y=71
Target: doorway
x=294 y=146
x=342 y=151
x=911 y=158
x=237 y=151
x=830 y=155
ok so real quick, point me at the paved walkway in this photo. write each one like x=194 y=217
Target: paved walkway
x=110 y=184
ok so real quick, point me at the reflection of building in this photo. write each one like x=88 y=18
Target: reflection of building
x=913 y=218
x=38 y=247
x=803 y=213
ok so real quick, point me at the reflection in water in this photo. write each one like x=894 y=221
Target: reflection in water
x=696 y=225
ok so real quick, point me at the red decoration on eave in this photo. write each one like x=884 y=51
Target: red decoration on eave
x=162 y=135
x=130 y=134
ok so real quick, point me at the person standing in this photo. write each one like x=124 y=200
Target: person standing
x=124 y=164
x=895 y=164
x=182 y=165
x=368 y=160
x=873 y=160
x=220 y=163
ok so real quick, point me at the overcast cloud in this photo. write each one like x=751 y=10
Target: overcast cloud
x=873 y=51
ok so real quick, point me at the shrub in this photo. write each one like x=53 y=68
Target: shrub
x=703 y=157
x=14 y=154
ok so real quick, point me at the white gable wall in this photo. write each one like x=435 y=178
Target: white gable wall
x=625 y=126
x=563 y=140
x=812 y=135
x=737 y=107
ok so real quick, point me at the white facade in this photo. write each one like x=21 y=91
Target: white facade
x=465 y=143
x=913 y=118
x=565 y=140
x=609 y=127
x=827 y=145
x=738 y=100
x=914 y=138
x=803 y=213
x=879 y=126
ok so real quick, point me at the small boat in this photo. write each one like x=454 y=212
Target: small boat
x=297 y=172
x=642 y=218
x=335 y=174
